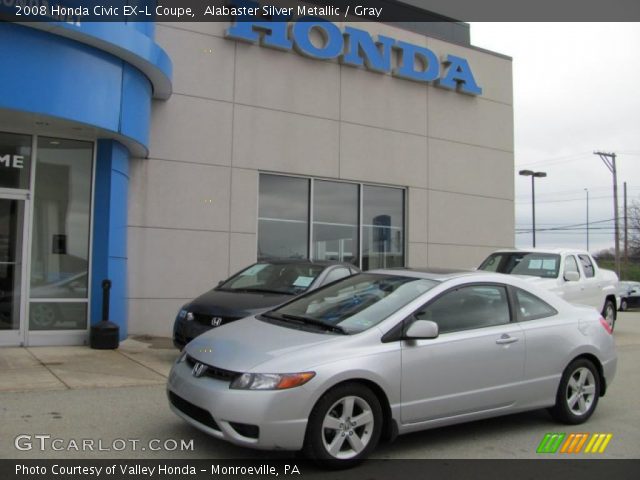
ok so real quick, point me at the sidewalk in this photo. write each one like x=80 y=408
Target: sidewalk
x=138 y=361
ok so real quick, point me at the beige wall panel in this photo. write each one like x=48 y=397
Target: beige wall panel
x=166 y=263
x=179 y=195
x=244 y=200
x=454 y=256
x=492 y=73
x=191 y=129
x=285 y=142
x=153 y=316
x=243 y=251
x=468 y=119
x=457 y=167
x=383 y=101
x=470 y=220
x=418 y=210
x=382 y=156
x=202 y=64
x=287 y=81
x=418 y=255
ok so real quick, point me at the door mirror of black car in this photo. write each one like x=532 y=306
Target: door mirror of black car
x=572 y=276
x=220 y=282
x=421 y=329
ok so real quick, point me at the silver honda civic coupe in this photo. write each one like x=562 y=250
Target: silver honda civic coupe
x=389 y=352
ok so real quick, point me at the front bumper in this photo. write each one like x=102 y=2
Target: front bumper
x=211 y=406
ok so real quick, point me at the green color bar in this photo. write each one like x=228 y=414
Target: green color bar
x=550 y=443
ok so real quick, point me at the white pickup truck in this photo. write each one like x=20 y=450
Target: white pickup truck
x=572 y=274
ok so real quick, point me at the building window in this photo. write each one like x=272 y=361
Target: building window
x=382 y=227
x=342 y=221
x=335 y=221
x=283 y=217
x=15 y=160
x=60 y=241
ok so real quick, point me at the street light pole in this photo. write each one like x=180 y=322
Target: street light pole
x=533 y=175
x=587 y=190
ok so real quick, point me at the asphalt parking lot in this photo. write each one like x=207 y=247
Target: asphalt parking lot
x=117 y=401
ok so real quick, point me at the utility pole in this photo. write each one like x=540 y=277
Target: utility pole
x=626 y=234
x=533 y=175
x=587 y=190
x=609 y=160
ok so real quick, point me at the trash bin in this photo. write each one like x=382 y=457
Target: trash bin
x=105 y=335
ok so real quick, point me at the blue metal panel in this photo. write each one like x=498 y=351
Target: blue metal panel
x=135 y=111
x=58 y=77
x=110 y=232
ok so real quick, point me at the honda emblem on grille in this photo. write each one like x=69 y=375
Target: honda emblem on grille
x=198 y=369
x=216 y=321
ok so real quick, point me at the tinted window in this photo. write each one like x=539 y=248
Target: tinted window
x=359 y=302
x=291 y=279
x=283 y=225
x=337 y=274
x=335 y=221
x=531 y=307
x=468 y=307
x=587 y=266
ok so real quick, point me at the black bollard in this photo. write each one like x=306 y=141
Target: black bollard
x=105 y=335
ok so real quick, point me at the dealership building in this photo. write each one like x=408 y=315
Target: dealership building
x=167 y=156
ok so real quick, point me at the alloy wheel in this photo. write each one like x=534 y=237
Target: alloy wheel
x=581 y=391
x=347 y=427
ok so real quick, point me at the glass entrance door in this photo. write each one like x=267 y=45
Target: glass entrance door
x=12 y=304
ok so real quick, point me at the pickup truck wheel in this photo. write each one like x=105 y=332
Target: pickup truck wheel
x=609 y=313
x=623 y=305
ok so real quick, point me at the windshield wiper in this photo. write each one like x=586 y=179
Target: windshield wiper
x=313 y=321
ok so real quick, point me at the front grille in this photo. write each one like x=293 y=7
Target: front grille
x=214 y=372
x=207 y=319
x=198 y=414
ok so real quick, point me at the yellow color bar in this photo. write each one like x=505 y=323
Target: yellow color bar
x=607 y=439
x=590 y=444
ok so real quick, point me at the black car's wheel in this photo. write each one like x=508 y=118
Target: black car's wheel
x=344 y=426
x=578 y=393
x=623 y=305
x=609 y=313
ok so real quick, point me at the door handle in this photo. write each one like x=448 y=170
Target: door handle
x=506 y=339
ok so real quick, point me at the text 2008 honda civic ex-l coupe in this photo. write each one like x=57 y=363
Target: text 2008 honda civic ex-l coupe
x=390 y=352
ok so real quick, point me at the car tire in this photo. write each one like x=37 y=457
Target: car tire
x=344 y=426
x=623 y=305
x=609 y=313
x=578 y=393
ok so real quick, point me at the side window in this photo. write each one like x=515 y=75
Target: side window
x=469 y=307
x=531 y=307
x=336 y=274
x=587 y=266
x=570 y=265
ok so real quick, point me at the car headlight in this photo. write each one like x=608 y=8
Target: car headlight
x=271 y=381
x=182 y=313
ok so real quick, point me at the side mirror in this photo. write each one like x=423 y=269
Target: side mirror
x=572 y=276
x=421 y=329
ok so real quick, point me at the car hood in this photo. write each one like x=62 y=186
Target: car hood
x=236 y=304
x=240 y=346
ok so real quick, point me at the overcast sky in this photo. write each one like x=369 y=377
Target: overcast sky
x=576 y=91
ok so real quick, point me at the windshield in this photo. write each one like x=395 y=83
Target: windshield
x=284 y=278
x=546 y=265
x=357 y=303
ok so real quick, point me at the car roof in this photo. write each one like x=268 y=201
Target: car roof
x=557 y=251
x=304 y=261
x=432 y=273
